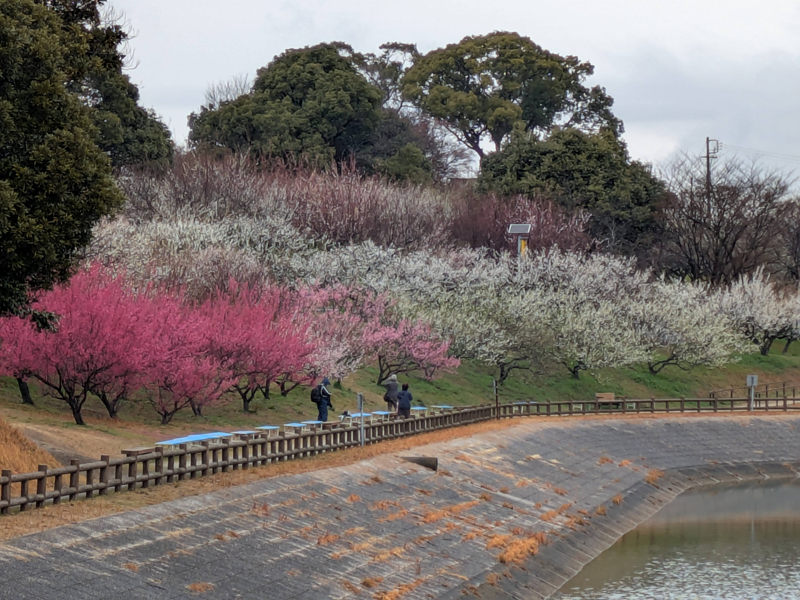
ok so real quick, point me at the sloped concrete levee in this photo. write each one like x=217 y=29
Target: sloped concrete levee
x=508 y=514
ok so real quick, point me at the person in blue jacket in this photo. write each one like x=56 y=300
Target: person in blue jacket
x=404 y=399
x=322 y=397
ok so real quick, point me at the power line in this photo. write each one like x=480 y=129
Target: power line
x=764 y=153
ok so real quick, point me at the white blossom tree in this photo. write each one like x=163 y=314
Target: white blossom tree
x=679 y=324
x=759 y=311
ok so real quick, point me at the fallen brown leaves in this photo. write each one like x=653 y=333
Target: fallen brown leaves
x=450 y=511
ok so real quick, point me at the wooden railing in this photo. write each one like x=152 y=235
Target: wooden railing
x=147 y=467
x=775 y=389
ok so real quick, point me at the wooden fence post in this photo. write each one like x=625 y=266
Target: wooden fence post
x=133 y=471
x=5 y=491
x=74 y=479
x=57 y=485
x=118 y=471
x=104 y=474
x=41 y=486
x=159 y=466
x=145 y=472
x=182 y=462
x=89 y=482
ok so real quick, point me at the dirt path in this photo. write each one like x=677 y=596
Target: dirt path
x=87 y=445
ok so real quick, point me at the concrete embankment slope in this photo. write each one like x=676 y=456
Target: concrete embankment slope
x=390 y=529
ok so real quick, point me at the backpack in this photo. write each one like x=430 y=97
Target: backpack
x=316 y=394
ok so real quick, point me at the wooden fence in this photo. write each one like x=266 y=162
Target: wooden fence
x=775 y=389
x=147 y=467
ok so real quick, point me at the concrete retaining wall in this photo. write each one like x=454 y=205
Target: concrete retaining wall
x=389 y=529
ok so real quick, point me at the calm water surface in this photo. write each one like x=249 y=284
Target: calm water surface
x=727 y=541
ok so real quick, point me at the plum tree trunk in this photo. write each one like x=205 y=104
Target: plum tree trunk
x=76 y=413
x=111 y=405
x=25 y=391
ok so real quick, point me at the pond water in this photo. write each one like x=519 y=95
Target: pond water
x=726 y=541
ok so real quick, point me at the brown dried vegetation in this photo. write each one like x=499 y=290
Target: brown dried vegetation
x=394 y=516
x=653 y=475
x=516 y=549
x=326 y=539
x=436 y=515
x=351 y=587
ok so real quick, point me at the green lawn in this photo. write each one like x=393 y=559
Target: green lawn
x=472 y=384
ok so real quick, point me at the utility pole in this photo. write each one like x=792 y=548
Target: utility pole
x=709 y=155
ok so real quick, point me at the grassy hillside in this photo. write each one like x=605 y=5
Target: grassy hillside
x=472 y=384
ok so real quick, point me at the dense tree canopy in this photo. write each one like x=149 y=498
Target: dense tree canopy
x=310 y=104
x=127 y=132
x=486 y=86
x=592 y=172
x=54 y=181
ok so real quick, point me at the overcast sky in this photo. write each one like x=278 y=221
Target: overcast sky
x=679 y=70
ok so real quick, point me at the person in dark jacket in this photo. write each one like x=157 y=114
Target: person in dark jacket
x=404 y=400
x=390 y=397
x=325 y=400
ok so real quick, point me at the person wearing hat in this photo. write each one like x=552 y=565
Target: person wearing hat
x=390 y=397
x=324 y=400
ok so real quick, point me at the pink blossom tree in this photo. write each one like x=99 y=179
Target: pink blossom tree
x=408 y=346
x=257 y=336
x=17 y=337
x=180 y=372
x=95 y=341
x=337 y=318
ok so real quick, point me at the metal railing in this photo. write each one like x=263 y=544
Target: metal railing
x=147 y=467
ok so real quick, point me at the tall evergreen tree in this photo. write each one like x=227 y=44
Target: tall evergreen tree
x=127 y=132
x=55 y=183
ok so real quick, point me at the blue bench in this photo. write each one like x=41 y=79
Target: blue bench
x=270 y=430
x=197 y=437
